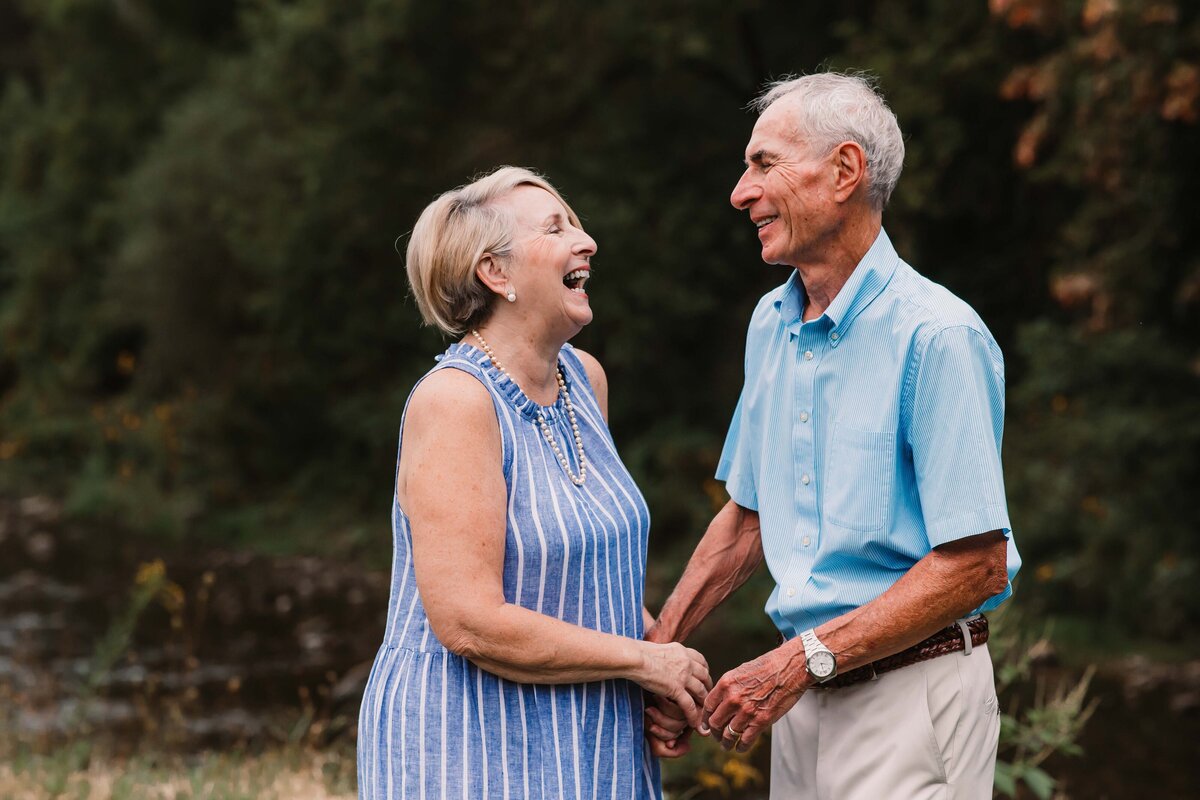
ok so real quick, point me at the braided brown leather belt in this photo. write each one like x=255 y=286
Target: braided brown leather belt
x=947 y=640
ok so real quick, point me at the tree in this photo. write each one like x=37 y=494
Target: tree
x=1106 y=422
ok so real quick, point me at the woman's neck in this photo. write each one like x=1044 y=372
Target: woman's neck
x=530 y=361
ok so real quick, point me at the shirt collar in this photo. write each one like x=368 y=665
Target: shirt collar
x=790 y=302
x=866 y=282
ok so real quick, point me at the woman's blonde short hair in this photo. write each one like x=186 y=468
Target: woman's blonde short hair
x=452 y=234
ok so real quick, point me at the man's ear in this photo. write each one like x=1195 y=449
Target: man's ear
x=851 y=163
x=491 y=271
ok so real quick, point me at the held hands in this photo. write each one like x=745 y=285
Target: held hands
x=744 y=703
x=736 y=711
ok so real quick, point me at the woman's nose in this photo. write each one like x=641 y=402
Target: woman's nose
x=585 y=245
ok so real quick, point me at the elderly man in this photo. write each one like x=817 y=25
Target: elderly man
x=863 y=463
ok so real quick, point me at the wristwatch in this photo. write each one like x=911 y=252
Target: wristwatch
x=821 y=662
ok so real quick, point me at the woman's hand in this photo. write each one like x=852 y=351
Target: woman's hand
x=677 y=673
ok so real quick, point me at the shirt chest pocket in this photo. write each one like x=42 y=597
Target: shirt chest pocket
x=859 y=478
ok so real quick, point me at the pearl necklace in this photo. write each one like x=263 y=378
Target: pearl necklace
x=546 y=432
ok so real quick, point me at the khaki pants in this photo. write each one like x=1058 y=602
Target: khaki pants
x=928 y=730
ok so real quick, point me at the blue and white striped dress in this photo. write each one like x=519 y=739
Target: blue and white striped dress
x=433 y=724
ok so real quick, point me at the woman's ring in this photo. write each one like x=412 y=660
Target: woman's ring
x=731 y=731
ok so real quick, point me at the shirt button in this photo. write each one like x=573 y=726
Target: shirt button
x=806 y=541
x=808 y=355
x=805 y=479
x=804 y=416
x=791 y=592
x=833 y=336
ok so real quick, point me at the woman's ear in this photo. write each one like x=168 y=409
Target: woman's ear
x=490 y=270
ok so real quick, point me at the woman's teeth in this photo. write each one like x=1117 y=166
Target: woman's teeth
x=575 y=280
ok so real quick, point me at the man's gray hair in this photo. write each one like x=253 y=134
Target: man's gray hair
x=831 y=108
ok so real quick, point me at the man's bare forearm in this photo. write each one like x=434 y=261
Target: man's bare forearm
x=724 y=560
x=940 y=588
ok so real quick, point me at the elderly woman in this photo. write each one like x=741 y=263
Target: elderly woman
x=513 y=665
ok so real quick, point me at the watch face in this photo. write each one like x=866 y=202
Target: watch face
x=821 y=664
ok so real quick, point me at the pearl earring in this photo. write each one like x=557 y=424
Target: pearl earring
x=511 y=296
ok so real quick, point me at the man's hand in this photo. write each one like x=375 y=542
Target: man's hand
x=749 y=699
x=667 y=730
x=661 y=749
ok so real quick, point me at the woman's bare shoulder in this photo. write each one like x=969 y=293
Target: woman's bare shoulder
x=450 y=398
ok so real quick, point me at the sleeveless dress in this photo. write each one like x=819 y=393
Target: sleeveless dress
x=434 y=725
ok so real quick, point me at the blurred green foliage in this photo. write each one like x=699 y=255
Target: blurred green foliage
x=205 y=325
x=1032 y=729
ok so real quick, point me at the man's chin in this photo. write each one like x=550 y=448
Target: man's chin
x=771 y=258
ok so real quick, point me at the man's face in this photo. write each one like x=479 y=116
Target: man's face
x=787 y=189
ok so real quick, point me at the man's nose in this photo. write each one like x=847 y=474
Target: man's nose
x=745 y=192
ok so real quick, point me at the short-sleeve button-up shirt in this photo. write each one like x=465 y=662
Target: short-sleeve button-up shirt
x=866 y=437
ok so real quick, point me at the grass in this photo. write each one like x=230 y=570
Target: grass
x=74 y=773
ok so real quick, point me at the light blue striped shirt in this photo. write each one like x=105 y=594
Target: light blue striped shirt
x=866 y=437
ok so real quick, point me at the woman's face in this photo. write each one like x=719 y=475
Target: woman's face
x=550 y=260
